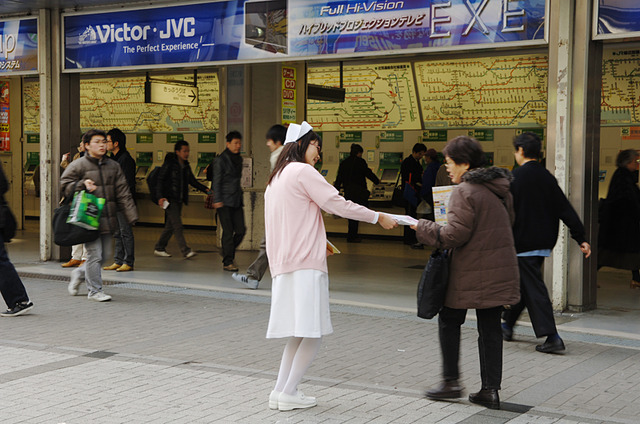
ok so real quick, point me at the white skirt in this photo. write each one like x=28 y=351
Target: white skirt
x=300 y=305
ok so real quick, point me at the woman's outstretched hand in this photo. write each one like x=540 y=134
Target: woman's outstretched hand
x=386 y=221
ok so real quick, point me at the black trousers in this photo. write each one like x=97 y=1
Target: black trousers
x=489 y=344
x=11 y=286
x=409 y=234
x=233 y=231
x=534 y=296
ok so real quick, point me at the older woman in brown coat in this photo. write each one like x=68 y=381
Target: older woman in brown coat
x=483 y=268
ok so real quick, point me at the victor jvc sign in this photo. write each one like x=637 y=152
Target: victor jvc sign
x=256 y=30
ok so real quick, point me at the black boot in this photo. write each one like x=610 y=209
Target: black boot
x=446 y=390
x=486 y=397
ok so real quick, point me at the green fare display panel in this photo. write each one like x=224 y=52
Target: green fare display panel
x=144 y=138
x=434 y=136
x=390 y=160
x=481 y=135
x=174 y=137
x=144 y=158
x=33 y=138
x=351 y=137
x=205 y=158
x=538 y=131
x=392 y=136
x=33 y=158
x=207 y=137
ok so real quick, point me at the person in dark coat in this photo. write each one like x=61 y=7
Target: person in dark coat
x=227 y=198
x=429 y=178
x=123 y=257
x=540 y=206
x=352 y=175
x=619 y=233
x=411 y=174
x=483 y=266
x=11 y=287
x=174 y=178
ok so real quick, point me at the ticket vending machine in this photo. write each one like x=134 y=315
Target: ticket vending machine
x=388 y=171
x=31 y=193
x=204 y=161
x=144 y=162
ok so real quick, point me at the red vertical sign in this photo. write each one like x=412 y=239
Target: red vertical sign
x=4 y=116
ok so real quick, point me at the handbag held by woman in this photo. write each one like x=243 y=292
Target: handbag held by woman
x=432 y=287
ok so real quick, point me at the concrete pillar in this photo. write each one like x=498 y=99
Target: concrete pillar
x=572 y=144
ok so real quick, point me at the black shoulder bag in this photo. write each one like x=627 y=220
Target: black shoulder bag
x=65 y=234
x=432 y=287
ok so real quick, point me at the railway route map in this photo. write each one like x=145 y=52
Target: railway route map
x=620 y=87
x=494 y=92
x=119 y=102
x=31 y=107
x=378 y=97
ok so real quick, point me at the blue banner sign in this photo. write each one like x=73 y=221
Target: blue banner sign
x=257 y=30
x=19 y=46
x=617 y=19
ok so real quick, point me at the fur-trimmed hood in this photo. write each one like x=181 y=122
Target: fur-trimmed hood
x=498 y=180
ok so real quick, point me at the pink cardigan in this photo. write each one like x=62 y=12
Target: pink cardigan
x=296 y=238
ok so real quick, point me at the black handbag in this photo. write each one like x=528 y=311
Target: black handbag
x=397 y=198
x=65 y=234
x=7 y=223
x=432 y=287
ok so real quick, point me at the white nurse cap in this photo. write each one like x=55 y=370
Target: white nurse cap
x=295 y=132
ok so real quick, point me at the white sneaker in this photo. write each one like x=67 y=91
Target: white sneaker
x=161 y=253
x=249 y=282
x=191 y=254
x=99 y=297
x=298 y=401
x=273 y=399
x=73 y=286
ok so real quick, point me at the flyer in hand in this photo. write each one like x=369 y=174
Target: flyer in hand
x=441 y=197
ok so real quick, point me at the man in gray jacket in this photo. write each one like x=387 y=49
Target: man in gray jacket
x=102 y=177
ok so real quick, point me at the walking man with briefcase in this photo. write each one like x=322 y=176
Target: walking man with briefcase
x=102 y=177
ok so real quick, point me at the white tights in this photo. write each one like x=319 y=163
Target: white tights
x=297 y=357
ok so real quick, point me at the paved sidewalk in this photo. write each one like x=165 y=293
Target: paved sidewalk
x=161 y=354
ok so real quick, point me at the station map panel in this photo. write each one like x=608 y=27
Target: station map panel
x=106 y=103
x=378 y=97
x=119 y=102
x=31 y=107
x=620 y=87
x=509 y=91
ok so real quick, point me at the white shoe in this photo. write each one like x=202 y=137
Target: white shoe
x=273 y=399
x=249 y=282
x=161 y=253
x=298 y=401
x=191 y=254
x=73 y=286
x=99 y=297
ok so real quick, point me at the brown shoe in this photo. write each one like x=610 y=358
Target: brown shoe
x=125 y=268
x=72 y=263
x=230 y=267
x=112 y=267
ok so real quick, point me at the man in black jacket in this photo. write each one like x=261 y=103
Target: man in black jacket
x=123 y=256
x=540 y=204
x=11 y=287
x=172 y=190
x=352 y=174
x=227 y=198
x=411 y=174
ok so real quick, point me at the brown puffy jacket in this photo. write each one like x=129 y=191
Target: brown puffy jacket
x=111 y=184
x=484 y=267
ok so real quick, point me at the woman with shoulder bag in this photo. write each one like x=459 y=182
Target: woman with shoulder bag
x=483 y=268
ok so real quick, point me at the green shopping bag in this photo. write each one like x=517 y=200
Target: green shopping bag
x=86 y=210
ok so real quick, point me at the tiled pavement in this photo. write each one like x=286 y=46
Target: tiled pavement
x=158 y=354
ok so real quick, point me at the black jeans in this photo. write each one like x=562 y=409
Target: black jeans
x=409 y=234
x=489 y=344
x=233 y=230
x=11 y=286
x=534 y=296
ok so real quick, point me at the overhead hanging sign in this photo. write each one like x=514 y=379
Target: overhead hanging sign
x=616 y=19
x=276 y=30
x=19 y=46
x=169 y=93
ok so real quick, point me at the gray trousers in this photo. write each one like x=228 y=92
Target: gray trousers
x=260 y=264
x=173 y=227
x=98 y=251
x=124 y=251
